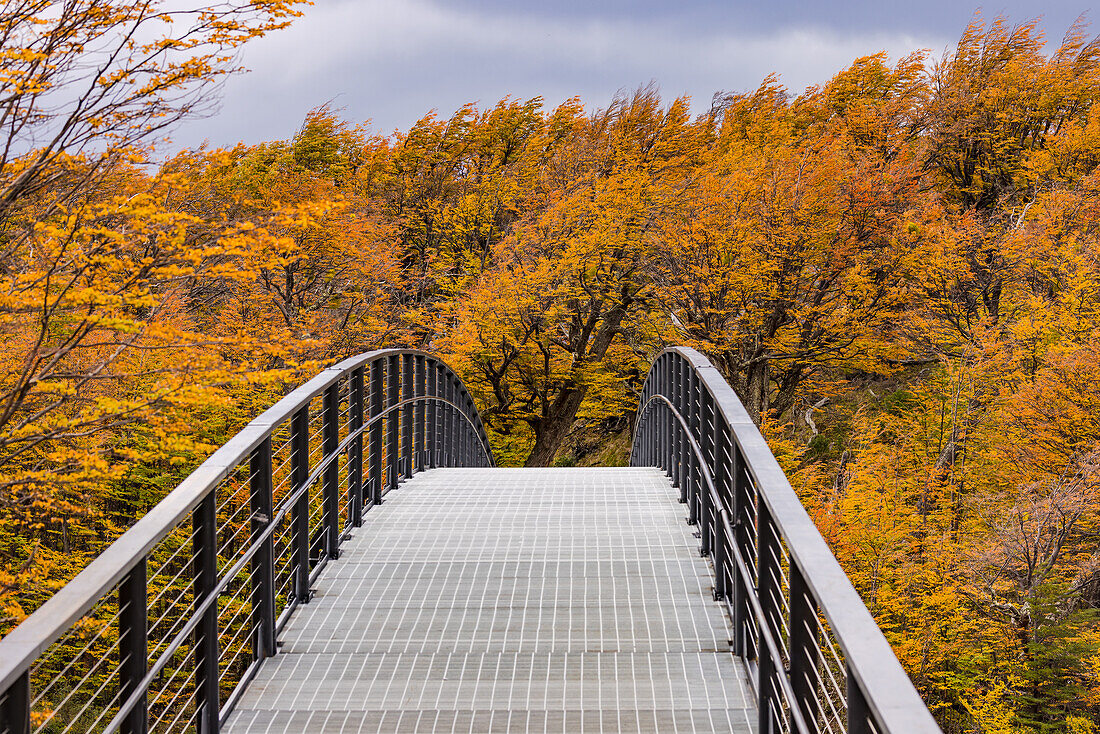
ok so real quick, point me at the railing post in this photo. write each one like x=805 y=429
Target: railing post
x=460 y=429
x=468 y=433
x=803 y=645
x=393 y=385
x=330 y=483
x=859 y=714
x=678 y=401
x=693 y=484
x=263 y=563
x=742 y=528
x=205 y=560
x=449 y=427
x=662 y=431
x=15 y=706
x=722 y=565
x=376 y=398
x=133 y=645
x=406 y=416
x=692 y=419
x=433 y=416
x=355 y=454
x=419 y=462
x=723 y=449
x=768 y=593
x=706 y=443
x=654 y=427
x=299 y=515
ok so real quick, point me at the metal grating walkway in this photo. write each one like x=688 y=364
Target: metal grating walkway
x=501 y=600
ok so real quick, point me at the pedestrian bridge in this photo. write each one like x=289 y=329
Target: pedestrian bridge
x=352 y=561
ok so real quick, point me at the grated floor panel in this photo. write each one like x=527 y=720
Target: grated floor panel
x=509 y=600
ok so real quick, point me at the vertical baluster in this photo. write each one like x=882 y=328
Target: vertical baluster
x=691 y=485
x=355 y=458
x=666 y=392
x=419 y=454
x=452 y=422
x=330 y=484
x=468 y=431
x=204 y=553
x=654 y=431
x=406 y=416
x=804 y=645
x=441 y=417
x=678 y=428
x=723 y=565
x=859 y=715
x=15 y=706
x=433 y=415
x=459 y=428
x=706 y=443
x=666 y=429
x=377 y=395
x=695 y=471
x=262 y=571
x=769 y=593
x=393 y=385
x=742 y=497
x=463 y=426
x=299 y=517
x=133 y=645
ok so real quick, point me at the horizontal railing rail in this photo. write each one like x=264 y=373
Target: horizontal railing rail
x=165 y=628
x=817 y=660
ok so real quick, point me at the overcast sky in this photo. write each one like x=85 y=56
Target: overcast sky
x=392 y=61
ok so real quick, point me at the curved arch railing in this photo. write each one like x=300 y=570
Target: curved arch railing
x=818 y=661
x=165 y=628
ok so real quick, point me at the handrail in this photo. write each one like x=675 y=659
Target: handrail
x=722 y=514
x=787 y=589
x=405 y=407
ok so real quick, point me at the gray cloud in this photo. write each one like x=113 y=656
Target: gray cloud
x=392 y=62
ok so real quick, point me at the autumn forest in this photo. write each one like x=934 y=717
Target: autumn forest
x=897 y=270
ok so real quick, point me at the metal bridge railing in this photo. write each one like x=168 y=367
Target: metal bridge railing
x=818 y=661
x=163 y=630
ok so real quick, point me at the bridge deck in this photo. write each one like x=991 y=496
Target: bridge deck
x=486 y=600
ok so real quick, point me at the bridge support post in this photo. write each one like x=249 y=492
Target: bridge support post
x=133 y=645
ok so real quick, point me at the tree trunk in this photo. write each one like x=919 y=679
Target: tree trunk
x=552 y=428
x=754 y=393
